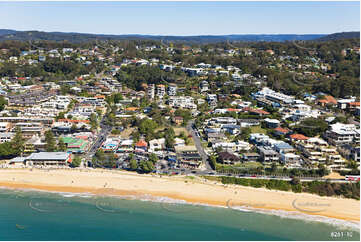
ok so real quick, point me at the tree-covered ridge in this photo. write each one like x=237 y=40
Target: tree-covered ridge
x=339 y=36
x=7 y=34
x=331 y=67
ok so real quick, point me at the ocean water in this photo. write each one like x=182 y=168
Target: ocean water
x=32 y=215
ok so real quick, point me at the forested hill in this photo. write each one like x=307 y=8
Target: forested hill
x=6 y=34
x=338 y=36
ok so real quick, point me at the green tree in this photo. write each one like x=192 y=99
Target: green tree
x=3 y=103
x=169 y=137
x=213 y=161
x=61 y=115
x=274 y=167
x=322 y=170
x=153 y=158
x=185 y=114
x=312 y=127
x=146 y=166
x=115 y=131
x=7 y=150
x=61 y=145
x=76 y=161
x=50 y=145
x=93 y=121
x=18 y=142
x=245 y=132
x=99 y=154
x=73 y=128
x=147 y=126
x=295 y=181
x=133 y=165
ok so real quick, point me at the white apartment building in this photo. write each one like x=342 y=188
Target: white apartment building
x=274 y=96
x=204 y=86
x=4 y=126
x=160 y=90
x=182 y=102
x=6 y=137
x=151 y=91
x=340 y=133
x=232 y=146
x=172 y=90
x=212 y=99
x=220 y=121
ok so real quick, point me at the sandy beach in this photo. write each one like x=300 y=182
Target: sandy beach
x=193 y=190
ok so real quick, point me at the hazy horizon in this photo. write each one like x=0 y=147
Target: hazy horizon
x=182 y=18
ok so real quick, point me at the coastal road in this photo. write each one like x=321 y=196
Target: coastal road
x=102 y=135
x=198 y=144
x=285 y=178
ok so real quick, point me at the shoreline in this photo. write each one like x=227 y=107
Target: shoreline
x=349 y=224
x=194 y=191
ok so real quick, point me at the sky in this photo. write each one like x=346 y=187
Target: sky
x=182 y=18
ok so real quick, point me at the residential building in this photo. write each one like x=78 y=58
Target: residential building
x=340 y=133
x=178 y=120
x=212 y=99
x=271 y=123
x=188 y=156
x=274 y=96
x=204 y=86
x=283 y=147
x=110 y=144
x=141 y=146
x=250 y=157
x=226 y=157
x=4 y=127
x=244 y=123
x=29 y=129
x=267 y=154
x=172 y=89
x=221 y=121
x=125 y=145
x=151 y=91
x=156 y=145
x=48 y=159
x=289 y=158
x=182 y=102
x=160 y=91
x=6 y=137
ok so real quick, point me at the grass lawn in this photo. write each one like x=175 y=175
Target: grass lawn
x=178 y=130
x=252 y=164
x=241 y=165
x=125 y=134
x=257 y=129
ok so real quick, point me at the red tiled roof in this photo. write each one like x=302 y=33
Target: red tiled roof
x=84 y=137
x=328 y=99
x=298 y=137
x=259 y=111
x=141 y=143
x=132 y=109
x=355 y=104
x=232 y=110
x=73 y=121
x=282 y=130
